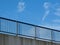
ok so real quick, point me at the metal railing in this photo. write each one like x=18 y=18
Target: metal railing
x=18 y=28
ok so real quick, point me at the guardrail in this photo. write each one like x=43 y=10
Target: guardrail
x=18 y=28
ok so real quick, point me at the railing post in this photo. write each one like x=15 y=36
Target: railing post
x=51 y=37
x=17 y=29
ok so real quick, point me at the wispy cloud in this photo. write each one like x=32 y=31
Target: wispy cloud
x=56 y=20
x=52 y=26
x=21 y=6
x=57 y=9
x=57 y=12
x=45 y=15
x=46 y=6
x=55 y=26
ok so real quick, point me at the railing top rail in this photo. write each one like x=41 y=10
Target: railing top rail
x=28 y=24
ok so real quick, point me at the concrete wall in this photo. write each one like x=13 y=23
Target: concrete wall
x=13 y=40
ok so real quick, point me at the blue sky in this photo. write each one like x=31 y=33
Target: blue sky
x=38 y=12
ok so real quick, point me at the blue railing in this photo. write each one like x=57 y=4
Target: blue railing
x=12 y=27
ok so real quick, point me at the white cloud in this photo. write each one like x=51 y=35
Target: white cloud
x=56 y=26
x=46 y=5
x=45 y=15
x=52 y=26
x=21 y=6
x=57 y=12
x=57 y=9
x=56 y=20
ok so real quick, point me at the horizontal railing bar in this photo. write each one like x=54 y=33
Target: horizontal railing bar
x=7 y=32
x=29 y=24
